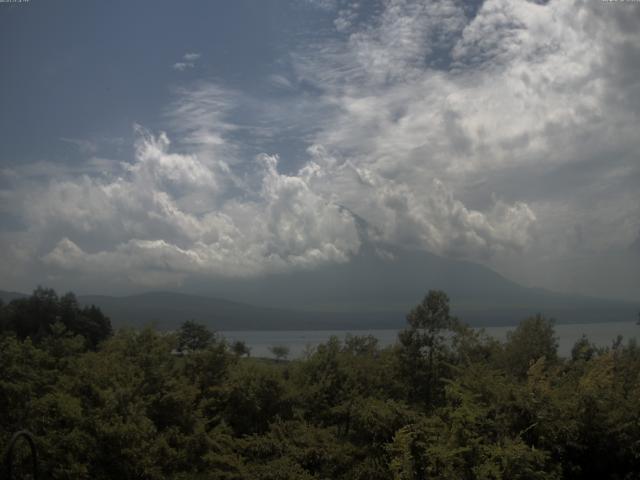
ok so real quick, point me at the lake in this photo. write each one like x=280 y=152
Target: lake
x=602 y=334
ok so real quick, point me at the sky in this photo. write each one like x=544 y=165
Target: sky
x=144 y=144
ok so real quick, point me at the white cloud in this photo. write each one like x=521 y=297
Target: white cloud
x=279 y=81
x=188 y=60
x=149 y=221
x=191 y=56
x=199 y=116
x=495 y=135
x=492 y=137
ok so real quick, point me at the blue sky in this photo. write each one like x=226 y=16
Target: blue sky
x=89 y=70
x=145 y=143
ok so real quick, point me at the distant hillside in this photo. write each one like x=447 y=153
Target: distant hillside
x=6 y=297
x=169 y=310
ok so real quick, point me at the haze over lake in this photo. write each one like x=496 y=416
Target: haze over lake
x=298 y=341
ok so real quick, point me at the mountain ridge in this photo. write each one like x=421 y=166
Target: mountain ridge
x=375 y=289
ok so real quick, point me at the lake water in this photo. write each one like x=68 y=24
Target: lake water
x=602 y=334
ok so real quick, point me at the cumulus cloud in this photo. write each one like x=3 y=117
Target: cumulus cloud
x=151 y=229
x=493 y=134
x=524 y=95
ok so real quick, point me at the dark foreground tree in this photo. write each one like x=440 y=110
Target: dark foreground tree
x=35 y=316
x=534 y=338
x=424 y=347
x=477 y=408
x=279 y=351
x=194 y=336
x=240 y=348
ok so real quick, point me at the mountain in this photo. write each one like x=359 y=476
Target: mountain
x=375 y=289
x=167 y=310
x=384 y=282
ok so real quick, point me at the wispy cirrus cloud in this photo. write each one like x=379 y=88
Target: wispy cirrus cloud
x=83 y=145
x=188 y=60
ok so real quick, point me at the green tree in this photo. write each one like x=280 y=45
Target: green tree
x=534 y=338
x=583 y=349
x=424 y=351
x=476 y=407
x=3 y=317
x=240 y=348
x=281 y=352
x=93 y=325
x=253 y=396
x=32 y=316
x=35 y=316
x=194 y=336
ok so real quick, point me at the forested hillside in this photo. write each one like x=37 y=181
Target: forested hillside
x=445 y=402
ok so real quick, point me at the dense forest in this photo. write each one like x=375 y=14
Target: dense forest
x=446 y=401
